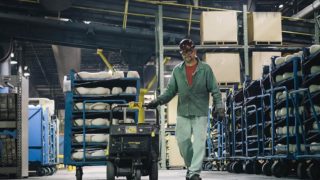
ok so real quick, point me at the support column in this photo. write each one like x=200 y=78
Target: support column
x=160 y=72
x=316 y=27
x=245 y=41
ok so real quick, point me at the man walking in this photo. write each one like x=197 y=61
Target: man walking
x=193 y=80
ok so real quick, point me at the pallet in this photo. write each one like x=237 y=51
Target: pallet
x=219 y=43
x=267 y=43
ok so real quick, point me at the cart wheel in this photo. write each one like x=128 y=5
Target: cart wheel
x=302 y=170
x=266 y=168
x=279 y=169
x=50 y=171
x=40 y=172
x=313 y=171
x=208 y=166
x=137 y=174
x=257 y=167
x=248 y=167
x=45 y=170
x=228 y=167
x=110 y=171
x=153 y=172
x=54 y=169
x=237 y=167
x=79 y=173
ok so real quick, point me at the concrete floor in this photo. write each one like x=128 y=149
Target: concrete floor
x=99 y=173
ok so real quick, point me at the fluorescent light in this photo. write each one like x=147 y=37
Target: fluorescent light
x=13 y=62
x=87 y=22
x=26 y=74
x=12 y=55
x=281 y=6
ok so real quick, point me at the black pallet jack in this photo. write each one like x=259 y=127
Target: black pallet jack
x=133 y=149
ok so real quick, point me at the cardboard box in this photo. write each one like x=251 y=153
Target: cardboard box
x=219 y=26
x=173 y=153
x=172 y=111
x=260 y=59
x=225 y=66
x=265 y=27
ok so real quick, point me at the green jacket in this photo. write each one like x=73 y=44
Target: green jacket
x=193 y=100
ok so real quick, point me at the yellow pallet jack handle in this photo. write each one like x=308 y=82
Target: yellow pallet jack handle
x=143 y=91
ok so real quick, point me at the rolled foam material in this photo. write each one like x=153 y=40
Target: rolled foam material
x=98 y=153
x=288 y=58
x=279 y=60
x=79 y=106
x=279 y=78
x=118 y=74
x=314 y=49
x=79 y=122
x=93 y=91
x=95 y=75
x=100 y=122
x=99 y=138
x=314 y=88
x=133 y=74
x=79 y=138
x=131 y=90
x=315 y=147
x=116 y=90
x=100 y=106
x=287 y=75
x=315 y=69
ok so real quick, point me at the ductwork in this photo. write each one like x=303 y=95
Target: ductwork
x=307 y=10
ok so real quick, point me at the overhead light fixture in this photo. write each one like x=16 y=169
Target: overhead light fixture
x=12 y=55
x=281 y=6
x=13 y=62
x=87 y=22
x=26 y=74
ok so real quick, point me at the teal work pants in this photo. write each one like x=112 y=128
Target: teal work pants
x=192 y=152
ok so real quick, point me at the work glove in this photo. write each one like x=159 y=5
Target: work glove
x=218 y=113
x=153 y=104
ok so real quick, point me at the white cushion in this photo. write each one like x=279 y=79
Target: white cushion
x=83 y=90
x=117 y=90
x=314 y=48
x=279 y=78
x=99 y=138
x=288 y=58
x=79 y=122
x=133 y=74
x=98 y=153
x=99 y=106
x=79 y=106
x=118 y=74
x=287 y=75
x=100 y=122
x=279 y=60
x=131 y=90
x=100 y=91
x=315 y=69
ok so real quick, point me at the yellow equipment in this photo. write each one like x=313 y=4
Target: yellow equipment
x=143 y=91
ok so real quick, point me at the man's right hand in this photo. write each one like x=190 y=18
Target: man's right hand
x=153 y=104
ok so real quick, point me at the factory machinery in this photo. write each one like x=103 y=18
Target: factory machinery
x=273 y=123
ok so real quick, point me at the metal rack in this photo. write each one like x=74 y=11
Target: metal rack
x=286 y=120
x=12 y=129
x=73 y=112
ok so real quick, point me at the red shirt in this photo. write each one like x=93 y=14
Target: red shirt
x=189 y=71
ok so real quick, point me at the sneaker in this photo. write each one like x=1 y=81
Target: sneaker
x=195 y=177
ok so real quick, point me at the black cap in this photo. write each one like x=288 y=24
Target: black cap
x=186 y=44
